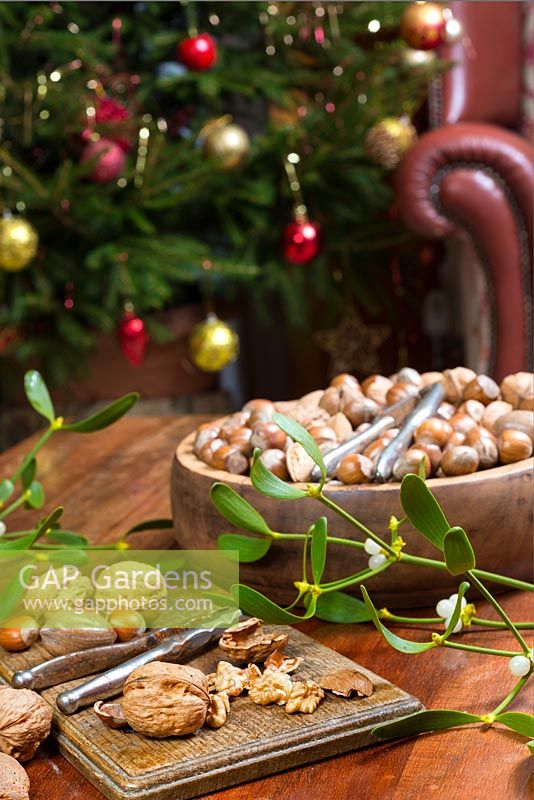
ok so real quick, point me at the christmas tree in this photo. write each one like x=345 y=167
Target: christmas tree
x=153 y=152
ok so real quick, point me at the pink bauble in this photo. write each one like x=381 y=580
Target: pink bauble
x=110 y=160
x=133 y=337
x=301 y=242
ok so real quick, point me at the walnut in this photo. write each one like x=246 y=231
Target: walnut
x=247 y=642
x=14 y=781
x=25 y=720
x=166 y=699
x=344 y=682
x=279 y=663
x=270 y=687
x=218 y=710
x=305 y=696
x=229 y=679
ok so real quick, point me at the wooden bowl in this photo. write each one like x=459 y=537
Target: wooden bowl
x=494 y=507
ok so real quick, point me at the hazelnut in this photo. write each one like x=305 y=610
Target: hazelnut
x=474 y=408
x=161 y=699
x=455 y=439
x=454 y=383
x=14 y=780
x=390 y=434
x=460 y=460
x=299 y=463
x=434 y=453
x=518 y=389
x=355 y=468
x=517 y=421
x=409 y=463
x=434 y=430
x=127 y=625
x=247 y=642
x=19 y=633
x=205 y=433
x=485 y=444
x=208 y=449
x=268 y=436
x=260 y=415
x=373 y=450
x=344 y=379
x=234 y=421
x=376 y=388
x=462 y=423
x=401 y=390
x=429 y=378
x=410 y=375
x=493 y=411
x=67 y=632
x=323 y=434
x=360 y=410
x=25 y=720
x=258 y=405
x=341 y=426
x=331 y=400
x=230 y=459
x=514 y=446
x=275 y=461
x=483 y=389
x=446 y=410
x=240 y=439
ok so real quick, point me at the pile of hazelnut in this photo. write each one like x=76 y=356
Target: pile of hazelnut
x=478 y=425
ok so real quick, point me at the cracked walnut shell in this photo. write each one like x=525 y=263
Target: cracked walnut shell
x=270 y=687
x=14 y=781
x=247 y=642
x=305 y=696
x=344 y=682
x=166 y=699
x=280 y=663
x=25 y=720
x=218 y=710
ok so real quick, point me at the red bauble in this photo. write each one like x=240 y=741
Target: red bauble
x=301 y=242
x=133 y=337
x=422 y=26
x=198 y=53
x=110 y=160
x=109 y=113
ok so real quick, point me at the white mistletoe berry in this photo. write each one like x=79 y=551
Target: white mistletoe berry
x=519 y=666
x=377 y=560
x=371 y=547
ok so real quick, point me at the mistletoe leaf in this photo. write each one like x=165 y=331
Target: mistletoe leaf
x=397 y=642
x=318 y=549
x=36 y=496
x=106 y=416
x=163 y=523
x=423 y=510
x=249 y=548
x=268 y=484
x=38 y=395
x=237 y=510
x=28 y=473
x=517 y=721
x=458 y=552
x=258 y=605
x=423 y=722
x=341 y=607
x=301 y=435
x=7 y=488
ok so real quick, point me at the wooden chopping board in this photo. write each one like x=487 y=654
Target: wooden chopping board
x=255 y=741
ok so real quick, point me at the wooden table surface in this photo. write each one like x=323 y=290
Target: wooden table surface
x=113 y=479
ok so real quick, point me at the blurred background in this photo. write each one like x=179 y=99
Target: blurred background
x=214 y=201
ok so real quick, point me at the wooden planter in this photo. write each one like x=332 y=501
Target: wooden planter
x=494 y=507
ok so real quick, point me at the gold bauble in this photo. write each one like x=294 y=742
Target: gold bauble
x=422 y=25
x=388 y=140
x=18 y=243
x=213 y=344
x=227 y=145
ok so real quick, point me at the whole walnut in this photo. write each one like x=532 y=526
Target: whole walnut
x=25 y=720
x=166 y=699
x=14 y=781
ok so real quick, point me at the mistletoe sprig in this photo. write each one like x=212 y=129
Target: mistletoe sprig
x=330 y=602
x=23 y=489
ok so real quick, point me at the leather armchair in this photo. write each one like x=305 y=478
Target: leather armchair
x=473 y=175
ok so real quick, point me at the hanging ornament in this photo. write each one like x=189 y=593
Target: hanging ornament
x=422 y=25
x=388 y=140
x=225 y=143
x=133 y=336
x=113 y=118
x=18 y=243
x=301 y=239
x=110 y=160
x=198 y=53
x=213 y=345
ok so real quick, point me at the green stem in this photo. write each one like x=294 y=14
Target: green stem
x=329 y=539
x=490 y=576
x=357 y=524
x=16 y=503
x=470 y=648
x=500 y=611
x=515 y=691
x=33 y=452
x=491 y=623
x=353 y=580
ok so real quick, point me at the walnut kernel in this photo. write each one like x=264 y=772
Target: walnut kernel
x=218 y=710
x=305 y=696
x=270 y=687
